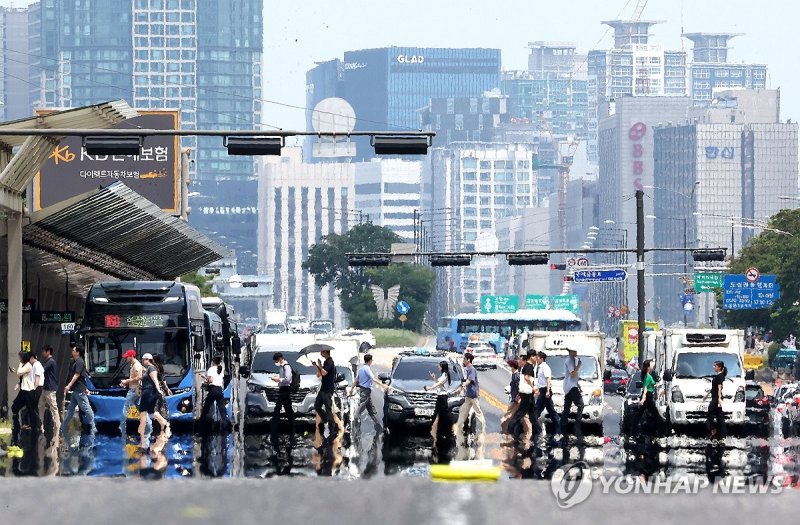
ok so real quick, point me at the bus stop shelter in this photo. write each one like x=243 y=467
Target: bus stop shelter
x=55 y=254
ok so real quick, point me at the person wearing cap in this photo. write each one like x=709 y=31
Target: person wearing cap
x=148 y=401
x=79 y=395
x=134 y=385
x=572 y=394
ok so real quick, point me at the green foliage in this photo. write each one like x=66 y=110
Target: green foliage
x=327 y=262
x=201 y=281
x=779 y=254
x=385 y=337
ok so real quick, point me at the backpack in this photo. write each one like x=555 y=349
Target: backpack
x=295 y=385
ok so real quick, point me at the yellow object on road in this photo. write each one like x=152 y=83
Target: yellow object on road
x=753 y=362
x=481 y=470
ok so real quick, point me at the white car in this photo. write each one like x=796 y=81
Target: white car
x=484 y=355
x=298 y=324
x=366 y=340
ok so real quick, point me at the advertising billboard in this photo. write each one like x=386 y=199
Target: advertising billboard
x=154 y=174
x=629 y=336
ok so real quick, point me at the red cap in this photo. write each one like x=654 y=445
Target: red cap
x=129 y=353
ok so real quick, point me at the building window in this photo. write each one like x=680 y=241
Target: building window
x=469 y=162
x=486 y=164
x=470 y=175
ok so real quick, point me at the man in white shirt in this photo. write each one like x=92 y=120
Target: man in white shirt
x=38 y=380
x=544 y=381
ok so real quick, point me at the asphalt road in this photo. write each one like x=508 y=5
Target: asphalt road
x=387 y=501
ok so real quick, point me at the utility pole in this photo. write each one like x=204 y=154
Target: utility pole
x=640 y=272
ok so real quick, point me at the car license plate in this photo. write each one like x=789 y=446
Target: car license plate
x=702 y=408
x=423 y=412
x=133 y=412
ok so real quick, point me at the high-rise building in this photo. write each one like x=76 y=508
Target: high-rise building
x=633 y=68
x=718 y=180
x=710 y=69
x=552 y=94
x=626 y=161
x=387 y=86
x=300 y=203
x=460 y=119
x=388 y=193
x=200 y=56
x=14 y=70
x=477 y=184
x=528 y=230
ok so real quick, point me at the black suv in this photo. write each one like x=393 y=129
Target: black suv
x=407 y=402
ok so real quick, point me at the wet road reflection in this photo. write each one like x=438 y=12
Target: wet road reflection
x=361 y=453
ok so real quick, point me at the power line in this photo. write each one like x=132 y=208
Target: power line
x=210 y=90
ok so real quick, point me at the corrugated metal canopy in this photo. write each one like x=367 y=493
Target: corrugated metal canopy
x=19 y=170
x=116 y=231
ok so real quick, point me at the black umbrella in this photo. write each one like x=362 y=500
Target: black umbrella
x=302 y=356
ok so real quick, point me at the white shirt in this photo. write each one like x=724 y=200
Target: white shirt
x=439 y=387
x=38 y=370
x=25 y=373
x=543 y=375
x=216 y=379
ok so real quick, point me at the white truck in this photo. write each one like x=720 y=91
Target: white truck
x=275 y=322
x=684 y=362
x=591 y=350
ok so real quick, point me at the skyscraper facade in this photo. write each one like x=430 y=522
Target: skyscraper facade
x=718 y=179
x=477 y=184
x=387 y=86
x=635 y=68
x=300 y=203
x=388 y=192
x=13 y=63
x=711 y=70
x=200 y=56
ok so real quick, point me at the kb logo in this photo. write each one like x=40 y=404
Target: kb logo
x=571 y=484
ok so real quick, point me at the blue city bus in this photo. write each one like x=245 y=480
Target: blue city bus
x=444 y=334
x=498 y=328
x=163 y=318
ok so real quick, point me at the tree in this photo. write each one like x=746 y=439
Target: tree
x=773 y=253
x=201 y=281
x=327 y=262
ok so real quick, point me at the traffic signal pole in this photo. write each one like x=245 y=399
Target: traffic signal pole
x=640 y=296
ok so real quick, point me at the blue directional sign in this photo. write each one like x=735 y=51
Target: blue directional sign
x=739 y=293
x=402 y=307
x=600 y=276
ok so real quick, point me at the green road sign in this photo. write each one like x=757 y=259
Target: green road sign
x=497 y=304
x=537 y=302
x=707 y=281
x=566 y=302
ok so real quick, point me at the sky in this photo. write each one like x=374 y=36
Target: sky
x=299 y=33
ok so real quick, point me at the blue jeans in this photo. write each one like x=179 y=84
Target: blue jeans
x=80 y=400
x=131 y=399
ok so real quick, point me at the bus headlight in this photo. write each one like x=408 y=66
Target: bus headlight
x=185 y=405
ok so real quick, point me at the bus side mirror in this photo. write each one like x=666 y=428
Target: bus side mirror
x=244 y=371
x=667 y=376
x=198 y=343
x=236 y=346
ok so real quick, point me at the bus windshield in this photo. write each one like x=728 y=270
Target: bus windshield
x=104 y=350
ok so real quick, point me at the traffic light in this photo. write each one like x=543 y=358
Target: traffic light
x=250 y=284
x=708 y=255
x=558 y=266
x=568 y=278
x=212 y=271
x=527 y=258
x=369 y=259
x=451 y=259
